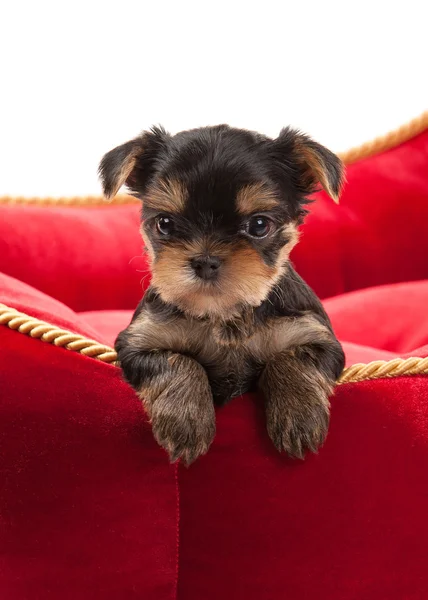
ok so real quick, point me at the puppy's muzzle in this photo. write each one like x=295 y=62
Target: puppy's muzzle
x=206 y=267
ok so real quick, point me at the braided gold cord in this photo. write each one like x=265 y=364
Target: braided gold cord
x=95 y=201
x=387 y=141
x=62 y=338
x=376 y=146
x=52 y=334
x=385 y=368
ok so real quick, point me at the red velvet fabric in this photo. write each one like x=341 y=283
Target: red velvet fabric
x=377 y=234
x=90 y=507
x=348 y=523
x=88 y=257
x=390 y=317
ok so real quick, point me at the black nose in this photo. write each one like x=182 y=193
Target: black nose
x=206 y=267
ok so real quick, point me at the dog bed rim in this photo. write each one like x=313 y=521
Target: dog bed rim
x=63 y=338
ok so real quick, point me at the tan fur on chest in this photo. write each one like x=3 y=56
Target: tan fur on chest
x=222 y=344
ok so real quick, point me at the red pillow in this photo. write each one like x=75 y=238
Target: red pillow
x=377 y=234
x=89 y=257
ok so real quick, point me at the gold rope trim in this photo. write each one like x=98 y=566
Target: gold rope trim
x=389 y=140
x=378 y=369
x=62 y=338
x=72 y=201
x=52 y=334
x=380 y=144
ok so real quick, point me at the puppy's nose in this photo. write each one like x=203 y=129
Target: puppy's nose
x=206 y=267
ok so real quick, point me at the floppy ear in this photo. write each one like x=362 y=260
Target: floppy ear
x=311 y=163
x=131 y=164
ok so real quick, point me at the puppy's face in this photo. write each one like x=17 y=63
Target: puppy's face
x=221 y=208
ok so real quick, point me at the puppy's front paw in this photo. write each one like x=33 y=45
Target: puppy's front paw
x=183 y=422
x=298 y=424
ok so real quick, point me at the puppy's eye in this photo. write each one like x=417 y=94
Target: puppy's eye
x=258 y=226
x=164 y=225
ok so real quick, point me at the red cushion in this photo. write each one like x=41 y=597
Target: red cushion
x=89 y=257
x=376 y=235
x=89 y=505
x=107 y=323
x=390 y=317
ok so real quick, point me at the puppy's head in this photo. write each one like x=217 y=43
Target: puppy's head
x=221 y=208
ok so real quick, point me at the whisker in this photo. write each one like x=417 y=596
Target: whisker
x=134 y=257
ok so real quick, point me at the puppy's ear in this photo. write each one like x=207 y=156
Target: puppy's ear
x=310 y=164
x=132 y=163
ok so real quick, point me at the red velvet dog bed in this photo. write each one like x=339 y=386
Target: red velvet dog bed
x=90 y=507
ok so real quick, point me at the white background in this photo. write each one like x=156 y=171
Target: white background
x=78 y=78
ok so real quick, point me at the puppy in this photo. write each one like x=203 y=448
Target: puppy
x=226 y=312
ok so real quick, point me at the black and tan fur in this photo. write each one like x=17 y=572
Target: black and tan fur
x=252 y=322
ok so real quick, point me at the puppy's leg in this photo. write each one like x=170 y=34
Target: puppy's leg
x=297 y=385
x=176 y=394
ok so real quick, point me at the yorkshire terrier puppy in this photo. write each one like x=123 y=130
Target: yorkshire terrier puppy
x=226 y=312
